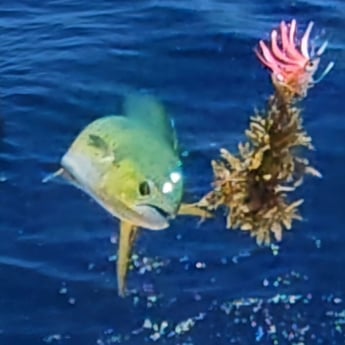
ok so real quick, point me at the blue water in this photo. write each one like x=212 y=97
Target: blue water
x=64 y=63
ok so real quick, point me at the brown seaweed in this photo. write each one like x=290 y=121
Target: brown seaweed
x=256 y=184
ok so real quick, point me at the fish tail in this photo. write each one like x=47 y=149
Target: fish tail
x=127 y=237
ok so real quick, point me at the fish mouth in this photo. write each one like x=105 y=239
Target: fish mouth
x=152 y=217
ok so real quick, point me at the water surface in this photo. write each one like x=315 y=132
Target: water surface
x=65 y=63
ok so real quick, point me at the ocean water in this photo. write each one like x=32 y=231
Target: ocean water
x=64 y=63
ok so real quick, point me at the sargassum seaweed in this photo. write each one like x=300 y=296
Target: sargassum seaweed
x=254 y=185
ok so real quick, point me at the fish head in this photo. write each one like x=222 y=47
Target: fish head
x=137 y=180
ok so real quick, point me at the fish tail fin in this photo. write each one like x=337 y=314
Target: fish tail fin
x=127 y=237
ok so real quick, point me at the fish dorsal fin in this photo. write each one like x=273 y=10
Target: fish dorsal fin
x=149 y=112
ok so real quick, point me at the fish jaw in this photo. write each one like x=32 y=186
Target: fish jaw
x=152 y=217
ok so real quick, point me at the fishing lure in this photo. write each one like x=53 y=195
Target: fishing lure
x=293 y=62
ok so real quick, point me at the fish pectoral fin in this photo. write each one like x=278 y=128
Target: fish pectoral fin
x=194 y=210
x=128 y=234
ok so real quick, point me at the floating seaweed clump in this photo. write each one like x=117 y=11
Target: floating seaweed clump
x=254 y=184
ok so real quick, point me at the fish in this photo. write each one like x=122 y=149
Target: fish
x=131 y=166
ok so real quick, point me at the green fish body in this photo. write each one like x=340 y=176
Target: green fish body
x=130 y=165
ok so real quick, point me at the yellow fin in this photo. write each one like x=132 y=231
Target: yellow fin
x=193 y=210
x=127 y=237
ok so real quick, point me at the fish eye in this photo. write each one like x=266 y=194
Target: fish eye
x=144 y=188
